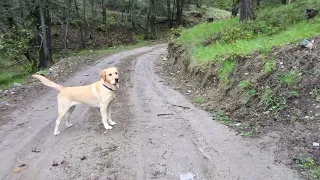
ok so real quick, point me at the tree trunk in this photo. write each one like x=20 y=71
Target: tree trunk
x=258 y=3
x=104 y=12
x=45 y=51
x=146 y=36
x=174 y=6
x=235 y=8
x=65 y=41
x=9 y=15
x=170 y=21
x=246 y=11
x=93 y=13
x=80 y=24
x=179 y=10
x=198 y=3
x=152 y=19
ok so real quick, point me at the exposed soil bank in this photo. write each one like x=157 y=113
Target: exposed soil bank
x=279 y=107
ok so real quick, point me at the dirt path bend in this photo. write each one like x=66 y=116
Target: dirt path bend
x=159 y=135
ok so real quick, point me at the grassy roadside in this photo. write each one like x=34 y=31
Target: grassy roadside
x=11 y=72
x=226 y=39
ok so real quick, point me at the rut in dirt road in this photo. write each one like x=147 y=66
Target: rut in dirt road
x=159 y=135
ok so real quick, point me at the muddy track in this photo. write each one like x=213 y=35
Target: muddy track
x=159 y=134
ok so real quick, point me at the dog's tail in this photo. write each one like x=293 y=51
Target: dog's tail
x=47 y=82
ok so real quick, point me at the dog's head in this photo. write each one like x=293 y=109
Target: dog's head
x=110 y=75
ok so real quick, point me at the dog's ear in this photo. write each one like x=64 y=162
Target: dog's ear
x=103 y=75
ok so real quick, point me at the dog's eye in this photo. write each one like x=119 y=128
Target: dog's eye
x=110 y=74
x=116 y=73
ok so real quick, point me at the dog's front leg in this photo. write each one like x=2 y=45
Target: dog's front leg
x=109 y=115
x=103 y=111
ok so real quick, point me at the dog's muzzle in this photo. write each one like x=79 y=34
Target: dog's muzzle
x=117 y=80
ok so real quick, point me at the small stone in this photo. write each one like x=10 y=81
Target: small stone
x=189 y=91
x=281 y=63
x=22 y=165
x=308 y=117
x=1 y=91
x=83 y=158
x=55 y=164
x=315 y=144
x=282 y=67
x=318 y=106
x=246 y=73
x=237 y=124
x=187 y=176
x=317 y=114
x=5 y=91
x=50 y=69
x=165 y=59
x=16 y=84
x=266 y=112
x=16 y=170
x=4 y=103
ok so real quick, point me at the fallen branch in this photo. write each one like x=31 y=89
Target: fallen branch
x=165 y=114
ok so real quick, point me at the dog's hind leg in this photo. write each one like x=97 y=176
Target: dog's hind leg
x=68 y=114
x=62 y=109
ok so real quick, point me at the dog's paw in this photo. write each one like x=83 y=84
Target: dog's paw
x=69 y=125
x=56 y=133
x=108 y=127
x=112 y=123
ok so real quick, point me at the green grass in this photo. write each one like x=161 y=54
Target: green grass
x=311 y=167
x=289 y=78
x=269 y=66
x=199 y=100
x=260 y=43
x=196 y=35
x=225 y=70
x=245 y=84
x=222 y=117
x=272 y=100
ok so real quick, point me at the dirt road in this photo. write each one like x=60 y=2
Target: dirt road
x=159 y=134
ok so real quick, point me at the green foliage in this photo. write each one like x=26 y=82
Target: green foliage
x=289 y=78
x=272 y=100
x=177 y=30
x=273 y=27
x=222 y=117
x=315 y=93
x=14 y=44
x=225 y=69
x=222 y=4
x=247 y=130
x=269 y=66
x=310 y=166
x=245 y=84
x=199 y=100
x=293 y=93
x=250 y=90
x=43 y=72
x=217 y=14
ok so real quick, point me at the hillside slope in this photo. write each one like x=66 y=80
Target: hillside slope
x=256 y=78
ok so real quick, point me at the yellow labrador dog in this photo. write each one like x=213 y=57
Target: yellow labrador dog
x=98 y=94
